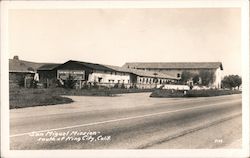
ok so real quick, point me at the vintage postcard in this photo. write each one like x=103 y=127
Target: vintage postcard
x=125 y=78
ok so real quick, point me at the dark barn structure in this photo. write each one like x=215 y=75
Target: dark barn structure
x=21 y=72
x=48 y=74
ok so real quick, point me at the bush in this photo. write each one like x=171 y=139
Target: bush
x=95 y=85
x=116 y=85
x=133 y=86
x=70 y=82
x=210 y=93
x=166 y=93
x=34 y=84
x=85 y=85
x=123 y=86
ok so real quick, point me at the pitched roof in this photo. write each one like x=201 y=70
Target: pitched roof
x=93 y=66
x=152 y=74
x=141 y=73
x=117 y=68
x=111 y=68
x=48 y=66
x=23 y=66
x=174 y=65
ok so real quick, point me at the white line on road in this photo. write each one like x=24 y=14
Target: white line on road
x=121 y=119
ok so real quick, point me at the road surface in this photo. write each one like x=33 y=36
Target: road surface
x=129 y=121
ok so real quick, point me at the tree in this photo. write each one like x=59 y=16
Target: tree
x=185 y=76
x=231 y=81
x=207 y=77
x=70 y=82
x=196 y=79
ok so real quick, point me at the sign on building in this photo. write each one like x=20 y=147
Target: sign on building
x=76 y=74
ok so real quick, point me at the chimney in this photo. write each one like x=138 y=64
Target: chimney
x=16 y=57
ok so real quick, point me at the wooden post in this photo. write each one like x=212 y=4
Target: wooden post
x=47 y=81
x=25 y=84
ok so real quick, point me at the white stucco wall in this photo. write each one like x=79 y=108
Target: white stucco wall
x=107 y=77
x=218 y=78
x=176 y=87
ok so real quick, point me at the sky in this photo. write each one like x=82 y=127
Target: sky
x=117 y=36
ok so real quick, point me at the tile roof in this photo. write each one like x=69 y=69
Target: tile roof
x=48 y=66
x=141 y=73
x=152 y=74
x=174 y=65
x=23 y=66
x=93 y=66
x=103 y=67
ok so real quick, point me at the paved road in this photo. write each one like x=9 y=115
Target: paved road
x=129 y=121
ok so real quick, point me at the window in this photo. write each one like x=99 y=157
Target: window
x=178 y=75
x=99 y=79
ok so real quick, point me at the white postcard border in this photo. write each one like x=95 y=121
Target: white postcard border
x=6 y=5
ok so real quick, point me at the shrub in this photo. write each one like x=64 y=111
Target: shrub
x=210 y=93
x=123 y=86
x=59 y=83
x=95 y=85
x=116 y=85
x=166 y=93
x=85 y=85
x=70 y=82
x=133 y=86
x=34 y=84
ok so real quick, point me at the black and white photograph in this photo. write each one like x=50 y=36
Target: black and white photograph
x=111 y=76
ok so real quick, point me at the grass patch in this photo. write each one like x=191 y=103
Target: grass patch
x=24 y=97
x=102 y=92
x=21 y=98
x=210 y=93
x=165 y=93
